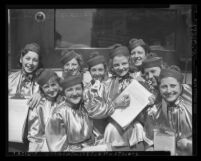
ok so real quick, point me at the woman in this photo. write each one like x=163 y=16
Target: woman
x=38 y=117
x=72 y=63
x=138 y=50
x=175 y=110
x=69 y=128
x=114 y=134
x=23 y=83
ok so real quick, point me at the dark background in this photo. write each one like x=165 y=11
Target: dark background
x=168 y=30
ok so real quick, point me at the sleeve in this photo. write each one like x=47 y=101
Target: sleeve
x=98 y=107
x=35 y=131
x=56 y=133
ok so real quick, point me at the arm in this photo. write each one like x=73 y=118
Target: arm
x=35 y=131
x=56 y=133
x=34 y=100
x=97 y=107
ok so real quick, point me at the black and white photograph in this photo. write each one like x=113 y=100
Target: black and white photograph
x=101 y=79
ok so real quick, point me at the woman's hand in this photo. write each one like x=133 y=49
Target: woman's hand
x=34 y=100
x=184 y=144
x=152 y=111
x=151 y=99
x=122 y=102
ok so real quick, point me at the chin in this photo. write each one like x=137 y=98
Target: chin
x=75 y=101
x=29 y=71
x=123 y=74
x=138 y=64
x=170 y=100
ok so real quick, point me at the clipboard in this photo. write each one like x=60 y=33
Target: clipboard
x=17 y=115
x=165 y=141
x=138 y=101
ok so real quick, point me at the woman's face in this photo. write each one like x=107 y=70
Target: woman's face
x=120 y=65
x=72 y=66
x=74 y=94
x=152 y=74
x=30 y=61
x=97 y=72
x=170 y=89
x=51 y=88
x=138 y=55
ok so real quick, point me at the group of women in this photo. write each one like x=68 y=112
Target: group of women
x=70 y=114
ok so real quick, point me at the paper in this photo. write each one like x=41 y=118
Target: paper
x=17 y=114
x=164 y=141
x=138 y=101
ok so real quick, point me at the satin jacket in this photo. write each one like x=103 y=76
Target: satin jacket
x=69 y=129
x=98 y=107
x=37 y=121
x=20 y=83
x=177 y=117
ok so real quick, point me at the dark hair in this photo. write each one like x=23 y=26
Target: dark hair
x=78 y=57
x=23 y=52
x=106 y=70
x=146 y=48
x=58 y=80
x=110 y=64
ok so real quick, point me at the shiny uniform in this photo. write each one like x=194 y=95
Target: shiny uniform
x=24 y=85
x=37 y=121
x=19 y=82
x=134 y=133
x=69 y=129
x=114 y=134
x=98 y=107
x=177 y=117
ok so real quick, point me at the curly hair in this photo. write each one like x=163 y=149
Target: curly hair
x=110 y=65
x=23 y=52
x=77 y=56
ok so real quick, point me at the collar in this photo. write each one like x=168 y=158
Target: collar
x=176 y=105
x=121 y=79
x=27 y=76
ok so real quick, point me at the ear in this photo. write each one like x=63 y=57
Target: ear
x=21 y=59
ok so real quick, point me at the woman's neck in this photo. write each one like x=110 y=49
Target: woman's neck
x=74 y=106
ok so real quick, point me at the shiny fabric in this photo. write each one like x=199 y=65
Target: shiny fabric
x=98 y=107
x=69 y=129
x=37 y=121
x=177 y=117
x=114 y=134
x=21 y=83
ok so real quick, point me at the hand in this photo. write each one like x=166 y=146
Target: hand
x=34 y=100
x=184 y=143
x=151 y=99
x=152 y=111
x=122 y=102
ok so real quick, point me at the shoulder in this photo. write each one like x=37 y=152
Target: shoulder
x=87 y=85
x=187 y=88
x=13 y=75
x=60 y=109
x=42 y=103
x=186 y=93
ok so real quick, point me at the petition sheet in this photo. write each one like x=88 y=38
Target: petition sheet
x=138 y=101
x=17 y=115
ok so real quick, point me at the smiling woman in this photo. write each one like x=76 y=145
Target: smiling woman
x=23 y=82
